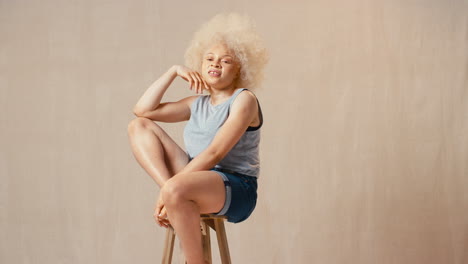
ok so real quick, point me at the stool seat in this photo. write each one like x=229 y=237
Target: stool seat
x=207 y=221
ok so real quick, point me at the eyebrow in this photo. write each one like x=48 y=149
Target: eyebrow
x=221 y=56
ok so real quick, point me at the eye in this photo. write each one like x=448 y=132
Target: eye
x=226 y=61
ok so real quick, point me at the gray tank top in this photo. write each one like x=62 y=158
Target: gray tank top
x=204 y=122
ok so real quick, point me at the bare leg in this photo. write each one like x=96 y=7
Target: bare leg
x=155 y=150
x=187 y=196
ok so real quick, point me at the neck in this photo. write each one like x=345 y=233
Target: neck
x=219 y=96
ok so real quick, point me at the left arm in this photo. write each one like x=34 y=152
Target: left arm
x=242 y=113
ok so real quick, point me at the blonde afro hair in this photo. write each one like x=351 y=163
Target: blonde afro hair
x=239 y=34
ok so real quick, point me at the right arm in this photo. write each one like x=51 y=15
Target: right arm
x=150 y=105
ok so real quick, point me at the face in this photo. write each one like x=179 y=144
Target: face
x=219 y=67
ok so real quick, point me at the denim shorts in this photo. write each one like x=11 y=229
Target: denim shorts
x=241 y=195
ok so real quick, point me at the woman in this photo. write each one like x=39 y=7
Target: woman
x=218 y=172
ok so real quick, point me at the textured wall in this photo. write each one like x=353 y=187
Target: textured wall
x=364 y=147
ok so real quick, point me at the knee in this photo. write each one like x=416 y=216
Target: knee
x=138 y=124
x=173 y=192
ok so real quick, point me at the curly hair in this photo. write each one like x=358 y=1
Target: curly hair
x=239 y=34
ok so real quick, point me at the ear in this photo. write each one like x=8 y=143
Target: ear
x=237 y=78
x=238 y=72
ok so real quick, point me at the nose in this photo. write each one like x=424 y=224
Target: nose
x=215 y=63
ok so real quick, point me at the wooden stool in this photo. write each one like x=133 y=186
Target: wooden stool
x=216 y=222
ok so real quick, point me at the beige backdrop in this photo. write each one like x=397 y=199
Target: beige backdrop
x=364 y=148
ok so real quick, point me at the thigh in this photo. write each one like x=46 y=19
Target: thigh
x=205 y=188
x=176 y=158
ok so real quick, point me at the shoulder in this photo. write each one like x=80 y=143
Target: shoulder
x=246 y=96
x=190 y=99
x=245 y=100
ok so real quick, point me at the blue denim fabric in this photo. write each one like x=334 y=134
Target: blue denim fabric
x=241 y=195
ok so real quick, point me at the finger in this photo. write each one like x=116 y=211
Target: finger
x=160 y=222
x=163 y=214
x=163 y=222
x=165 y=225
x=167 y=222
x=190 y=80
x=157 y=213
x=200 y=83
x=195 y=80
x=158 y=208
x=157 y=220
x=206 y=85
x=155 y=216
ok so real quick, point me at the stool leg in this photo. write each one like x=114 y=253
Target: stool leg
x=168 y=246
x=206 y=241
x=222 y=241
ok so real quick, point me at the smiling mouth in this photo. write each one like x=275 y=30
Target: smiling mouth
x=214 y=73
